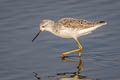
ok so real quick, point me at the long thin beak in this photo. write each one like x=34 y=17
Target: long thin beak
x=36 y=35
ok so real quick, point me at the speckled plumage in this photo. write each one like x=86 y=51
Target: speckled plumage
x=77 y=23
x=70 y=27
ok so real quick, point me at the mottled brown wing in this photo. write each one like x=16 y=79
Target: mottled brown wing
x=76 y=23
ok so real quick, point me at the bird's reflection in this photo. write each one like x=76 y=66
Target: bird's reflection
x=36 y=76
x=79 y=65
x=73 y=75
x=69 y=75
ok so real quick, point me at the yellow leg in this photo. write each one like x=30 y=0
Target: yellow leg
x=66 y=53
x=79 y=53
x=79 y=46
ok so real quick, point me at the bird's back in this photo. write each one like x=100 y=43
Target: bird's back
x=78 y=23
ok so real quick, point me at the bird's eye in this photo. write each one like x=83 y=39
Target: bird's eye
x=43 y=26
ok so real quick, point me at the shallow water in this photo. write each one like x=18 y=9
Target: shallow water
x=19 y=57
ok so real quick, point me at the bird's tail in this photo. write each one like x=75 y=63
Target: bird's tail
x=101 y=23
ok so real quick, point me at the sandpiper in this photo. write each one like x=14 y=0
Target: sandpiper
x=69 y=28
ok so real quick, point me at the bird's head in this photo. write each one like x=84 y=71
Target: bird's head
x=45 y=25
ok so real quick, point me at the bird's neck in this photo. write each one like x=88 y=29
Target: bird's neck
x=50 y=28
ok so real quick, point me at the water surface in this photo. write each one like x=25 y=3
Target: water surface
x=19 y=23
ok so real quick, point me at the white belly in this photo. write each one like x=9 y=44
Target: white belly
x=74 y=33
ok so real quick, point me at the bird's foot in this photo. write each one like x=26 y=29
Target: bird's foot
x=79 y=53
x=62 y=56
